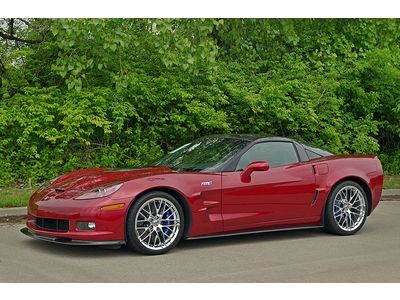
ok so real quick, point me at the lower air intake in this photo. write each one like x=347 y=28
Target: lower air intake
x=52 y=224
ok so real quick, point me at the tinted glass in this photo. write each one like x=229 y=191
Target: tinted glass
x=205 y=154
x=317 y=150
x=275 y=153
x=312 y=155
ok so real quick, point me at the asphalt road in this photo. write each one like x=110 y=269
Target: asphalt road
x=372 y=255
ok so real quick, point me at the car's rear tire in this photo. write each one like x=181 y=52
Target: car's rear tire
x=346 y=209
x=155 y=223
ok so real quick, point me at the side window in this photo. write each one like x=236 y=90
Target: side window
x=312 y=155
x=275 y=153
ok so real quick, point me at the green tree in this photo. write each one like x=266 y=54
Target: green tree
x=78 y=93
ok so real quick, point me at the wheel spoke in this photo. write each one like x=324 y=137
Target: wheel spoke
x=358 y=206
x=154 y=210
x=159 y=207
x=143 y=215
x=338 y=213
x=355 y=209
x=163 y=237
x=342 y=218
x=343 y=195
x=169 y=226
x=350 y=220
x=169 y=219
x=167 y=210
x=162 y=207
x=147 y=229
x=166 y=237
x=155 y=238
x=345 y=221
x=356 y=217
x=354 y=198
x=147 y=211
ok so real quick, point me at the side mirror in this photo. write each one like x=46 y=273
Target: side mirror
x=254 y=166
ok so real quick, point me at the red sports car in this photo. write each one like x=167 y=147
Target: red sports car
x=214 y=186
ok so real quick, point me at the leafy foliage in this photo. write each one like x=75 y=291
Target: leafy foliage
x=78 y=93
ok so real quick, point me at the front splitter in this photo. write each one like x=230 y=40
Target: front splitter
x=67 y=241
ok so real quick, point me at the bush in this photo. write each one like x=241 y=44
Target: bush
x=121 y=92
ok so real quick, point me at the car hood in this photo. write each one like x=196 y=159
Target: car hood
x=92 y=178
x=89 y=179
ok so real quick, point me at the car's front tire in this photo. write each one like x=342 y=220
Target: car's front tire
x=346 y=209
x=155 y=223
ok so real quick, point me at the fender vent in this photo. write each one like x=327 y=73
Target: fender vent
x=315 y=198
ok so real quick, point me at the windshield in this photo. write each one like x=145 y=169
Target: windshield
x=205 y=154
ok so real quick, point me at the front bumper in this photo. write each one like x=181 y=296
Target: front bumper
x=68 y=241
x=109 y=224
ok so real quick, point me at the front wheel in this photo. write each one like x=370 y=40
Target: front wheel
x=346 y=209
x=155 y=223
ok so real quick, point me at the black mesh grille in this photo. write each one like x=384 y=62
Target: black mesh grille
x=52 y=224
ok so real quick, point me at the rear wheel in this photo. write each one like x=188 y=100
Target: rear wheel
x=155 y=223
x=346 y=209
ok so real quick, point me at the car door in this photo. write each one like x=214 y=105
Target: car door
x=280 y=196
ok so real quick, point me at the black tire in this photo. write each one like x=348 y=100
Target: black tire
x=132 y=232
x=336 y=225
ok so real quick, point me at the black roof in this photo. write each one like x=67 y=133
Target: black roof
x=251 y=137
x=261 y=138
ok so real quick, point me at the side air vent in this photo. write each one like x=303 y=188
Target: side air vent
x=315 y=198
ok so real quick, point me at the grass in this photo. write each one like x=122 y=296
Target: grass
x=391 y=182
x=16 y=197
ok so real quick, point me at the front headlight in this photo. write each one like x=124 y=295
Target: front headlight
x=100 y=192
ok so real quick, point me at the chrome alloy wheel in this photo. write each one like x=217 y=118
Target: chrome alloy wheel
x=349 y=208
x=157 y=223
